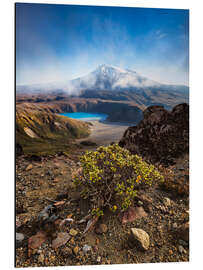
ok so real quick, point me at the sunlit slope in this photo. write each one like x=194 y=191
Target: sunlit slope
x=40 y=131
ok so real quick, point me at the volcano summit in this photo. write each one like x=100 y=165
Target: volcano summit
x=105 y=78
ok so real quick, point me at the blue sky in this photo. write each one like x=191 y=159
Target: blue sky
x=62 y=42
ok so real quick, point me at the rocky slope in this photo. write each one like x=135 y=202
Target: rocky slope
x=40 y=131
x=50 y=220
x=161 y=136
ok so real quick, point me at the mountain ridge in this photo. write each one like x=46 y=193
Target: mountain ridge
x=104 y=77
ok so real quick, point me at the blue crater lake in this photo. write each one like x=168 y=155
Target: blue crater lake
x=86 y=116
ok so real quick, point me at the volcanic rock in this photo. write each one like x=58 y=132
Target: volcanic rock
x=131 y=214
x=62 y=239
x=161 y=136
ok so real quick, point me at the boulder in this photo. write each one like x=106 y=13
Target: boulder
x=131 y=214
x=140 y=238
x=36 y=241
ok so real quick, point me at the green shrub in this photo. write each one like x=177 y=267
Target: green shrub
x=109 y=177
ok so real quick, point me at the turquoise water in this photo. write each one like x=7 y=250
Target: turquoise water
x=86 y=116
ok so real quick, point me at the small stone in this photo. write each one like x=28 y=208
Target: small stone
x=140 y=203
x=90 y=224
x=58 y=222
x=19 y=239
x=98 y=259
x=170 y=252
x=73 y=232
x=41 y=258
x=167 y=202
x=97 y=241
x=86 y=248
x=67 y=252
x=95 y=248
x=18 y=223
x=45 y=213
x=146 y=199
x=60 y=203
x=80 y=253
x=162 y=208
x=181 y=249
x=141 y=238
x=101 y=228
x=29 y=167
x=182 y=243
x=62 y=239
x=181 y=168
x=49 y=172
x=72 y=241
x=174 y=226
x=33 y=251
x=76 y=250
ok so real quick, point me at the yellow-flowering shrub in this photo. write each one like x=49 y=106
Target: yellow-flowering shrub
x=110 y=175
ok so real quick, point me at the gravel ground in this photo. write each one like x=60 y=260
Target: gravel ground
x=103 y=133
x=39 y=184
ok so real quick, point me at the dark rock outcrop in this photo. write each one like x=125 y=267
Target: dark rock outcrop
x=161 y=136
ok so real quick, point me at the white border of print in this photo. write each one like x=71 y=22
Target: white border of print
x=7 y=128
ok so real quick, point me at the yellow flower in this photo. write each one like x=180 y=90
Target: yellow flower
x=138 y=178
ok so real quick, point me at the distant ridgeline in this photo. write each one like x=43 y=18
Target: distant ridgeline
x=161 y=136
x=109 y=83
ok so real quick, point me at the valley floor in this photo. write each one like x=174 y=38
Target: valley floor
x=104 y=132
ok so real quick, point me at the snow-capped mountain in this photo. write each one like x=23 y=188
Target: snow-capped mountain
x=105 y=77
